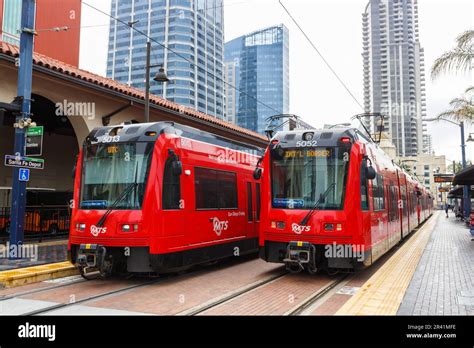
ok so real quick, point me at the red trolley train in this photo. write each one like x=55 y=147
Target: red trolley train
x=161 y=197
x=332 y=199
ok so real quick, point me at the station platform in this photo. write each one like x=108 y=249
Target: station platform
x=47 y=252
x=432 y=273
x=443 y=283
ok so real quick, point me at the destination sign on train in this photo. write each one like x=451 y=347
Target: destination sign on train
x=307 y=153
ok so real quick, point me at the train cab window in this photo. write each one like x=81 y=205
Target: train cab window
x=215 y=189
x=171 y=187
x=378 y=193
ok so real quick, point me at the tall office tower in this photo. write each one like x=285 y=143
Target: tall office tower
x=394 y=73
x=61 y=45
x=193 y=32
x=258 y=65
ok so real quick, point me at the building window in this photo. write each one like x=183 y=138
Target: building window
x=215 y=189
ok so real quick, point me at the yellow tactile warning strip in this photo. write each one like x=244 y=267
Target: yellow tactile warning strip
x=27 y=275
x=383 y=293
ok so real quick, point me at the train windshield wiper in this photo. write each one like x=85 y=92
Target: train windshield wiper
x=124 y=194
x=316 y=205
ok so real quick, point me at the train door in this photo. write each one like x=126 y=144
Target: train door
x=379 y=223
x=397 y=214
x=175 y=206
x=365 y=198
x=402 y=204
x=252 y=207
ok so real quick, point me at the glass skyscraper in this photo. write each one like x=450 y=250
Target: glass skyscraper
x=257 y=64
x=191 y=28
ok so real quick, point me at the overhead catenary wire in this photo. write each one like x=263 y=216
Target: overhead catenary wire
x=320 y=55
x=181 y=56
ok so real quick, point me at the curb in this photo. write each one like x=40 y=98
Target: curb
x=35 y=274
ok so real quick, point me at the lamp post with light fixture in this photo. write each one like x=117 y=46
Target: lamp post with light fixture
x=159 y=77
x=470 y=139
x=467 y=201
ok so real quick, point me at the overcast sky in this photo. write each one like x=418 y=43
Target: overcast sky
x=335 y=26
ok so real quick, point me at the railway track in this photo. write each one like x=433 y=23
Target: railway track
x=233 y=295
x=317 y=296
x=91 y=298
x=245 y=290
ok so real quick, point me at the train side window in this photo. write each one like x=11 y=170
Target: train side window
x=364 y=191
x=227 y=190
x=215 y=189
x=171 y=187
x=378 y=193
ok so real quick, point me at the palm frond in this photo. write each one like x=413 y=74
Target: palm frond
x=469 y=90
x=466 y=39
x=457 y=60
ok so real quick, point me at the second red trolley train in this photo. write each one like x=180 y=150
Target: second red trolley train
x=333 y=200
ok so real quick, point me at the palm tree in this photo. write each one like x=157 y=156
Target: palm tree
x=459 y=58
x=462 y=109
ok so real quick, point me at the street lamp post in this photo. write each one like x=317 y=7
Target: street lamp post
x=467 y=201
x=159 y=77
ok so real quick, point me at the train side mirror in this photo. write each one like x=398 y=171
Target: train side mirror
x=177 y=168
x=370 y=173
x=257 y=173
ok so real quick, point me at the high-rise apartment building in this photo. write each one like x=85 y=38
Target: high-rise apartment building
x=394 y=73
x=257 y=64
x=193 y=32
x=61 y=45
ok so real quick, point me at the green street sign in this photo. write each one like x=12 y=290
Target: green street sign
x=35 y=131
x=34 y=141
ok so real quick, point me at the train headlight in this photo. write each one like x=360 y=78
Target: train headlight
x=81 y=227
x=308 y=136
x=278 y=224
x=329 y=227
x=130 y=228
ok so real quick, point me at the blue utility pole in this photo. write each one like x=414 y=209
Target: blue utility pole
x=24 y=94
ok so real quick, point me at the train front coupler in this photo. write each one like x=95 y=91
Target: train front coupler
x=93 y=261
x=300 y=255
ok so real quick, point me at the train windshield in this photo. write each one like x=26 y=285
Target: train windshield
x=301 y=176
x=108 y=169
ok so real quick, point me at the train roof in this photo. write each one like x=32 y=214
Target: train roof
x=324 y=137
x=150 y=132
